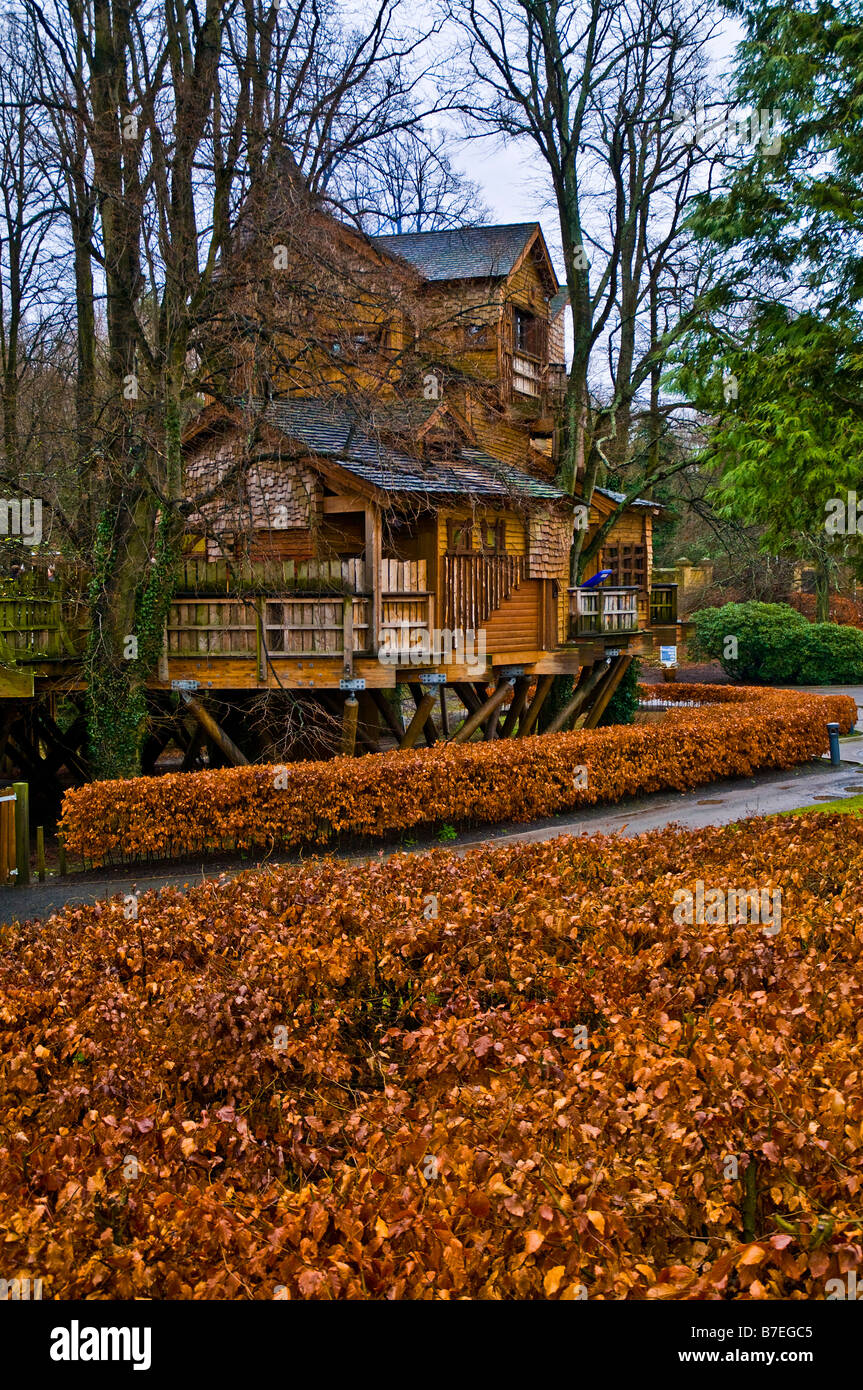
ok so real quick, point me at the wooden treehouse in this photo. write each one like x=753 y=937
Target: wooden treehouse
x=348 y=545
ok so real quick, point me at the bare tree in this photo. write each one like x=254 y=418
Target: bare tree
x=595 y=85
x=165 y=112
x=407 y=183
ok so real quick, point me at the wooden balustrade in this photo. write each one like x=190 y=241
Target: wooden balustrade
x=475 y=585
x=291 y=626
x=599 y=610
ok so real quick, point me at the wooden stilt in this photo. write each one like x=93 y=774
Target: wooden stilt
x=519 y=697
x=336 y=707
x=526 y=724
x=413 y=729
x=493 y=703
x=350 y=716
x=491 y=721
x=587 y=682
x=467 y=695
x=444 y=713
x=429 y=730
x=370 y=720
x=22 y=831
x=215 y=733
x=390 y=714
x=193 y=749
x=612 y=681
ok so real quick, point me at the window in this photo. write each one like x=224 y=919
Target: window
x=492 y=537
x=459 y=537
x=528 y=333
x=628 y=565
x=530 y=352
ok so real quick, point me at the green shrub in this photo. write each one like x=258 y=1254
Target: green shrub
x=776 y=645
x=831 y=655
x=623 y=704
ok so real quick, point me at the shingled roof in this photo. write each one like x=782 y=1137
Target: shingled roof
x=335 y=431
x=468 y=253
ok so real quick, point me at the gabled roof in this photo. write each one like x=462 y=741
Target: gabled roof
x=468 y=253
x=334 y=431
x=618 y=497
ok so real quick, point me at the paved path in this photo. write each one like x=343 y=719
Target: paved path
x=714 y=804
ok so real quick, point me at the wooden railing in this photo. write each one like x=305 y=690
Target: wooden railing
x=475 y=585
x=289 y=626
x=663 y=605
x=41 y=629
x=293 y=609
x=602 y=610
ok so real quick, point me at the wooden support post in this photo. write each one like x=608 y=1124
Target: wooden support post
x=216 y=733
x=193 y=748
x=606 y=690
x=467 y=695
x=348 y=636
x=444 y=713
x=429 y=730
x=22 y=831
x=424 y=710
x=387 y=709
x=370 y=720
x=543 y=686
x=11 y=836
x=350 y=715
x=587 y=682
x=40 y=852
x=7 y=837
x=519 y=696
x=493 y=703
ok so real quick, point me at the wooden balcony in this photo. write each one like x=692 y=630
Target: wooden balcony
x=593 y=612
x=663 y=605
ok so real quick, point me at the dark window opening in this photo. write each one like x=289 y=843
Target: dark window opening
x=628 y=565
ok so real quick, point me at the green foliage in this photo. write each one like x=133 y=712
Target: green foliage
x=776 y=645
x=782 y=237
x=622 y=706
x=559 y=695
x=831 y=655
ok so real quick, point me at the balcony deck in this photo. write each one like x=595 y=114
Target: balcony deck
x=300 y=624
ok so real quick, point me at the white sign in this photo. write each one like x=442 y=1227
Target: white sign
x=668 y=656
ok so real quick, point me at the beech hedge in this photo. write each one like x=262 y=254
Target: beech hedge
x=734 y=732
x=511 y=1074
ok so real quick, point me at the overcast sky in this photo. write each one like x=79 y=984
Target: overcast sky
x=512 y=174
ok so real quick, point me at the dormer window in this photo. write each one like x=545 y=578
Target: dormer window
x=528 y=333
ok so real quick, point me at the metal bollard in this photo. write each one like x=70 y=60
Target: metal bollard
x=833 y=735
